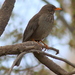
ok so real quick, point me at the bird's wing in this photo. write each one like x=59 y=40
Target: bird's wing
x=31 y=27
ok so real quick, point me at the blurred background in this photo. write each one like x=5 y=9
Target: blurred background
x=62 y=36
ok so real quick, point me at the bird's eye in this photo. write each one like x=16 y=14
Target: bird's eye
x=49 y=9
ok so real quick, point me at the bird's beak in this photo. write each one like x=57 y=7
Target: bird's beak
x=57 y=8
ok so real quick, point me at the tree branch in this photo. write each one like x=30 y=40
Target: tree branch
x=50 y=64
x=18 y=48
x=55 y=57
x=34 y=47
x=5 y=13
x=16 y=60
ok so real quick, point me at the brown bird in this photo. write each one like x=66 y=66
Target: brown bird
x=41 y=24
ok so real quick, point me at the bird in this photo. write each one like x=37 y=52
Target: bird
x=40 y=25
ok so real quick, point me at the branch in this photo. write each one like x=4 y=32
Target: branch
x=54 y=67
x=51 y=48
x=5 y=13
x=16 y=60
x=47 y=62
x=46 y=1
x=50 y=64
x=55 y=57
x=18 y=48
x=31 y=46
x=71 y=73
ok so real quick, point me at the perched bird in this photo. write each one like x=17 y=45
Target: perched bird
x=41 y=24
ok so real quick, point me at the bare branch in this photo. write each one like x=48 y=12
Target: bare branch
x=46 y=1
x=51 y=48
x=34 y=47
x=71 y=73
x=16 y=60
x=47 y=62
x=55 y=57
x=5 y=13
x=18 y=48
x=50 y=64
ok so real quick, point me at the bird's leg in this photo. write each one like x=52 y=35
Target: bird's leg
x=37 y=42
x=45 y=44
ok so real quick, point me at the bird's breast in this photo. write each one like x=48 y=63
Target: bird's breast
x=45 y=26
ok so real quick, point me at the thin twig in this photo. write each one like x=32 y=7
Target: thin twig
x=64 y=60
x=15 y=61
x=71 y=73
x=51 y=48
x=21 y=55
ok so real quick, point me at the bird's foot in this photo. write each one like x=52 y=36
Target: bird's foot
x=46 y=46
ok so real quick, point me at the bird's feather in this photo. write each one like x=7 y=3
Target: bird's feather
x=31 y=28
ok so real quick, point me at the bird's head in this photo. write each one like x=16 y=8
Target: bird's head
x=49 y=8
